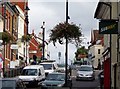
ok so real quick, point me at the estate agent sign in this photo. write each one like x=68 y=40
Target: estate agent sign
x=108 y=27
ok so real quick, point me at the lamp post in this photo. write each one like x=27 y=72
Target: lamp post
x=27 y=22
x=43 y=46
x=66 y=51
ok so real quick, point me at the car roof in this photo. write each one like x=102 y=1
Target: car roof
x=56 y=73
x=86 y=66
x=11 y=79
x=33 y=67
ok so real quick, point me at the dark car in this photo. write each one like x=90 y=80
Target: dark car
x=55 y=80
x=11 y=83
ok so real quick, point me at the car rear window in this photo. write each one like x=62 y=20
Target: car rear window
x=85 y=68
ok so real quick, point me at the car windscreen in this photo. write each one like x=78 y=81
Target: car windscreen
x=47 y=66
x=85 y=68
x=29 y=72
x=59 y=77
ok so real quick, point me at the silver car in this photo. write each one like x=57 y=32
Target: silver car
x=85 y=72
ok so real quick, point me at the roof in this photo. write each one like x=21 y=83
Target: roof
x=95 y=36
x=97 y=10
x=33 y=67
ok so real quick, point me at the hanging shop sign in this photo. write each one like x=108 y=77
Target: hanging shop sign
x=14 y=46
x=108 y=27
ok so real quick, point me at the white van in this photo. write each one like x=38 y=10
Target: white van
x=33 y=74
x=49 y=67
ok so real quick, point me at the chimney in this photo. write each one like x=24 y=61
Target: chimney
x=33 y=32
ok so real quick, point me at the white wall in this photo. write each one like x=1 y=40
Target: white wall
x=1 y=24
x=94 y=51
x=20 y=32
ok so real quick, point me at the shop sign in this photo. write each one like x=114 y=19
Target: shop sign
x=108 y=27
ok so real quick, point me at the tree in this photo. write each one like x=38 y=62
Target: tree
x=63 y=30
x=81 y=51
x=70 y=32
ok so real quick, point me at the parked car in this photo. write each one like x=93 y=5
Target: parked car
x=49 y=67
x=61 y=68
x=85 y=72
x=32 y=74
x=11 y=83
x=55 y=80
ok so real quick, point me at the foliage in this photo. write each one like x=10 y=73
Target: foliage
x=6 y=37
x=82 y=50
x=25 y=38
x=62 y=31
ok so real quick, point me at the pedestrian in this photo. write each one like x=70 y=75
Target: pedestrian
x=33 y=62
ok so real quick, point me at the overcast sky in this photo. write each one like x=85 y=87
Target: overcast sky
x=54 y=12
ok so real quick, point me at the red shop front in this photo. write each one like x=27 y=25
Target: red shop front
x=107 y=73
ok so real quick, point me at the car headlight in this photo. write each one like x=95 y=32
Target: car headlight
x=60 y=85
x=33 y=79
x=79 y=74
x=89 y=75
x=43 y=84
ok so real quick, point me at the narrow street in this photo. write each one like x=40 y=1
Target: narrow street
x=81 y=84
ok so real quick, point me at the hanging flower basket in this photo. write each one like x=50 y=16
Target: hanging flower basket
x=25 y=38
x=6 y=37
x=65 y=30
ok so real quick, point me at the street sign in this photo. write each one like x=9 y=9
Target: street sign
x=14 y=46
x=108 y=27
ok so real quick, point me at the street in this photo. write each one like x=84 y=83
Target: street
x=82 y=84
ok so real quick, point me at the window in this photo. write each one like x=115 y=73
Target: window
x=98 y=51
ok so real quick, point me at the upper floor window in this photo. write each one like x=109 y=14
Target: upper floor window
x=98 y=51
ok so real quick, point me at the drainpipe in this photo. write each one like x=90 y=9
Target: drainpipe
x=115 y=69
x=4 y=27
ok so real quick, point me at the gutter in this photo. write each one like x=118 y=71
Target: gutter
x=106 y=51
